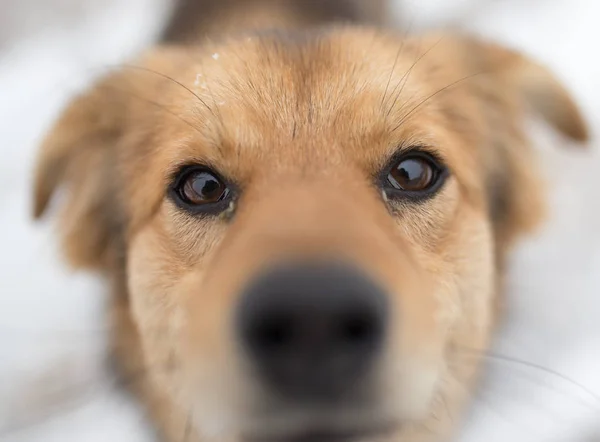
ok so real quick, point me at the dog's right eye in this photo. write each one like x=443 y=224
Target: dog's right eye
x=201 y=189
x=415 y=174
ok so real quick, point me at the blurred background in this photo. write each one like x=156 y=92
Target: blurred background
x=52 y=330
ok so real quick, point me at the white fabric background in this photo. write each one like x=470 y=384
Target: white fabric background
x=51 y=322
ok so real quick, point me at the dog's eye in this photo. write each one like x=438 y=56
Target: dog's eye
x=415 y=173
x=412 y=174
x=200 y=187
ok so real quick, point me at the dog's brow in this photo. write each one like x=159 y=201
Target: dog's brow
x=172 y=80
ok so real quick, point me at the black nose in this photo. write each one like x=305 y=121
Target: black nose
x=312 y=331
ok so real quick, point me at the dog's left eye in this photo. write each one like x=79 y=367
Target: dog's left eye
x=200 y=188
x=203 y=188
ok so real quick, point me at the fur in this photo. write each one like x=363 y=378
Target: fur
x=301 y=118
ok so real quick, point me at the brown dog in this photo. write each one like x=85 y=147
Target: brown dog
x=304 y=228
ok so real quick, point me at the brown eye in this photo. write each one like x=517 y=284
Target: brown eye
x=412 y=174
x=201 y=187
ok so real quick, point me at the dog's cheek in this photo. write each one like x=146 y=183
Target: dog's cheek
x=453 y=309
x=155 y=308
x=421 y=299
x=186 y=370
x=472 y=313
x=184 y=324
x=165 y=270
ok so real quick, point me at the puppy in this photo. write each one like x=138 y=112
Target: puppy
x=304 y=227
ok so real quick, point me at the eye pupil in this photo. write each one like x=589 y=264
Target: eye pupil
x=412 y=174
x=203 y=188
x=205 y=185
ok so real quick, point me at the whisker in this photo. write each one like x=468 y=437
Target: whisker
x=152 y=102
x=218 y=113
x=404 y=38
x=538 y=367
x=487 y=404
x=429 y=97
x=387 y=86
x=156 y=104
x=406 y=76
x=171 y=79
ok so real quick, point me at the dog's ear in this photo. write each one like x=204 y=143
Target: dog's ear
x=93 y=141
x=508 y=86
x=79 y=152
x=534 y=84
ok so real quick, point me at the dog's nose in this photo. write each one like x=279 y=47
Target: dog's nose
x=312 y=331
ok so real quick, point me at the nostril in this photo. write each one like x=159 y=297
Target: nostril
x=357 y=330
x=273 y=333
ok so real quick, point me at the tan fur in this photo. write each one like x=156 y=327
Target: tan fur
x=303 y=121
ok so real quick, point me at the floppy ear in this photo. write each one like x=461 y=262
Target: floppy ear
x=83 y=151
x=511 y=85
x=537 y=87
x=79 y=152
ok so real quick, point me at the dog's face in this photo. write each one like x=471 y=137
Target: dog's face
x=309 y=228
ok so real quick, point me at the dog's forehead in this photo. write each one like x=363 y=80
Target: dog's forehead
x=264 y=95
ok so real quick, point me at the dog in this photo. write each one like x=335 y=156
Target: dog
x=304 y=217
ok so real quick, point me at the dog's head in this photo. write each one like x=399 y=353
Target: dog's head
x=310 y=227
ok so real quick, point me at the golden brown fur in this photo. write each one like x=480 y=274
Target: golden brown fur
x=302 y=120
